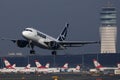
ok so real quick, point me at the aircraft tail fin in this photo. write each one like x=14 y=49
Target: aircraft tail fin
x=8 y=65
x=63 y=34
x=28 y=66
x=47 y=65
x=118 y=65
x=97 y=64
x=65 y=66
x=38 y=65
x=78 y=67
x=14 y=65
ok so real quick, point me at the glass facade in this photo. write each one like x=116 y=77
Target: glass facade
x=108 y=16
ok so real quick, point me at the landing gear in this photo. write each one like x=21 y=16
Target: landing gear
x=32 y=52
x=32 y=46
x=54 y=53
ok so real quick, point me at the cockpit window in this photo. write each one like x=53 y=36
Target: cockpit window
x=27 y=30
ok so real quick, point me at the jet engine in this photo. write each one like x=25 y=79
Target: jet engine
x=54 y=45
x=21 y=43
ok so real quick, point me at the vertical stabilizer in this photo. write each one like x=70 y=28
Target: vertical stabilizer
x=7 y=64
x=14 y=65
x=28 y=66
x=97 y=64
x=118 y=65
x=37 y=64
x=65 y=66
x=63 y=34
x=78 y=67
x=47 y=65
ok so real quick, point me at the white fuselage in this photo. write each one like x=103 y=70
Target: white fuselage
x=73 y=70
x=18 y=69
x=108 y=68
x=38 y=38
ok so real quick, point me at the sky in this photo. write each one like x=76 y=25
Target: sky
x=50 y=16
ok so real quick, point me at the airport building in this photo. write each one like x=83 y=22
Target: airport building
x=108 y=29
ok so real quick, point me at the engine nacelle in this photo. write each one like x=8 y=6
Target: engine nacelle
x=54 y=45
x=21 y=43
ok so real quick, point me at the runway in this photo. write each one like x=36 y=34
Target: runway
x=60 y=76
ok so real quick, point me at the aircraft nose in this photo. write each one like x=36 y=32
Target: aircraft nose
x=24 y=33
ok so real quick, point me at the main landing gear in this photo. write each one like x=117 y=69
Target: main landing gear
x=54 y=53
x=32 y=52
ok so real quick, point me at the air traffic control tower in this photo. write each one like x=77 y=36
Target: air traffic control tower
x=108 y=29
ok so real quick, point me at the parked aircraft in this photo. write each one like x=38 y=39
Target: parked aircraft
x=76 y=69
x=38 y=65
x=13 y=68
x=37 y=38
x=58 y=69
x=118 y=65
x=8 y=65
x=27 y=69
x=40 y=68
x=100 y=67
x=64 y=68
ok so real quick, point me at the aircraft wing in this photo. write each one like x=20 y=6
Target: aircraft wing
x=76 y=43
x=10 y=39
x=15 y=40
x=20 y=43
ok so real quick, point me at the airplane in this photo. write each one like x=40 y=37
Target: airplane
x=38 y=65
x=27 y=69
x=98 y=66
x=8 y=65
x=56 y=69
x=41 y=68
x=118 y=65
x=64 y=67
x=33 y=37
x=13 y=68
x=47 y=69
x=76 y=69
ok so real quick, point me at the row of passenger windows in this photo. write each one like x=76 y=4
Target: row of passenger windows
x=41 y=35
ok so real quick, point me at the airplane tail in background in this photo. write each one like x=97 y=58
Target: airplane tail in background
x=78 y=67
x=63 y=34
x=97 y=64
x=118 y=65
x=47 y=65
x=28 y=66
x=8 y=65
x=65 y=66
x=14 y=65
x=37 y=64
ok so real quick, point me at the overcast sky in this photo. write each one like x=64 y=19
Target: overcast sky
x=50 y=16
